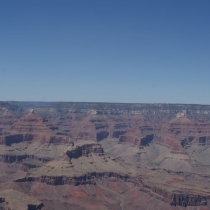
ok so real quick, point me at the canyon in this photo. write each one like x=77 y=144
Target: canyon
x=68 y=155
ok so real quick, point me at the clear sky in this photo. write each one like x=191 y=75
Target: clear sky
x=144 y=51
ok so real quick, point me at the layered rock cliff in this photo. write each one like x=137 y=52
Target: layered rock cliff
x=107 y=156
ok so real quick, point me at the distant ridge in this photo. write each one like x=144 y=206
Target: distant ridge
x=108 y=105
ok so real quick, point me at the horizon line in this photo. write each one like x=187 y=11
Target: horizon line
x=145 y=103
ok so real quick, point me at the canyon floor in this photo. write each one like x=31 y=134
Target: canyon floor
x=88 y=156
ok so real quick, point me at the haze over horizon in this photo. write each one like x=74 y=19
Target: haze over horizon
x=98 y=51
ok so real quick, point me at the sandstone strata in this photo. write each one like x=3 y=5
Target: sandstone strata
x=106 y=156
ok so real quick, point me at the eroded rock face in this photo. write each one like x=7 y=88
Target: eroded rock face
x=17 y=138
x=13 y=158
x=129 y=139
x=179 y=199
x=102 y=135
x=117 y=134
x=85 y=150
x=89 y=178
x=152 y=156
x=188 y=200
x=14 y=200
x=180 y=134
x=9 y=114
x=146 y=140
x=33 y=128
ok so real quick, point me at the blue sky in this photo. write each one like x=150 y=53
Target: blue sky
x=139 y=51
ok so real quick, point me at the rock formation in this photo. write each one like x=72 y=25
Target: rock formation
x=104 y=156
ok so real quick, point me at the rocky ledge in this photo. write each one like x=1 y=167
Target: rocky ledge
x=177 y=198
x=30 y=128
x=15 y=200
x=85 y=150
x=89 y=178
